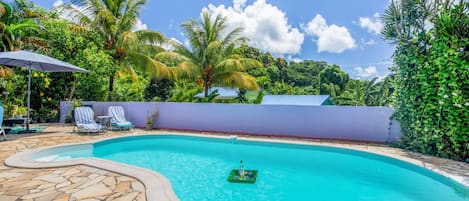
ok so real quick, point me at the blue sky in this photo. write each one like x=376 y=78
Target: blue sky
x=337 y=31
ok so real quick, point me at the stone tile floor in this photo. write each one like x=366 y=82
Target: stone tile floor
x=91 y=184
x=66 y=183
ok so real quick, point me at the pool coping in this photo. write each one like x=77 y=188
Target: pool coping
x=158 y=187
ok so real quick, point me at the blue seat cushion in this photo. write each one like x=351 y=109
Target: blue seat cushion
x=124 y=125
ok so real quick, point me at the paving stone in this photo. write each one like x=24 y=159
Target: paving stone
x=10 y=174
x=40 y=194
x=110 y=182
x=70 y=172
x=61 y=185
x=78 y=179
x=62 y=197
x=8 y=198
x=92 y=176
x=19 y=191
x=12 y=184
x=103 y=197
x=120 y=178
x=32 y=183
x=34 y=191
x=128 y=197
x=50 y=189
x=59 y=171
x=70 y=188
x=46 y=185
x=52 y=178
x=137 y=186
x=92 y=191
x=114 y=195
x=122 y=186
x=48 y=197
x=92 y=182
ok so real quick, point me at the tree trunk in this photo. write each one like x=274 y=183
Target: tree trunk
x=111 y=87
x=205 y=89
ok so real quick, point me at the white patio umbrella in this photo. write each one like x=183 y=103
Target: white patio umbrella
x=38 y=62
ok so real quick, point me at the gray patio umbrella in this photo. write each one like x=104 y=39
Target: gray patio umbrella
x=38 y=62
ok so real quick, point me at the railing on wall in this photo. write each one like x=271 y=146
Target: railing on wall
x=325 y=122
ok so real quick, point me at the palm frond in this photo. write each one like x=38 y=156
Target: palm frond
x=171 y=57
x=5 y=71
x=127 y=70
x=233 y=37
x=150 y=49
x=76 y=13
x=151 y=67
x=237 y=80
x=152 y=37
x=23 y=25
x=187 y=69
x=238 y=64
x=128 y=41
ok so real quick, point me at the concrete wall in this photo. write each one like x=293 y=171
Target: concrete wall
x=331 y=122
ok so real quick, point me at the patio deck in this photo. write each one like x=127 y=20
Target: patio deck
x=89 y=183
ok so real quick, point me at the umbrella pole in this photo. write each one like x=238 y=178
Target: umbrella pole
x=29 y=96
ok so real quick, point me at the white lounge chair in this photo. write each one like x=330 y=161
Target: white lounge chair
x=84 y=120
x=118 y=119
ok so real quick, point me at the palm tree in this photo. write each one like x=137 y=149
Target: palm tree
x=211 y=58
x=115 y=21
x=354 y=95
x=16 y=19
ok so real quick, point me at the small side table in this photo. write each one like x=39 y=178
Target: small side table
x=105 y=121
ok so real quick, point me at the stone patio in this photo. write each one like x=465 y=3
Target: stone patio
x=88 y=183
x=67 y=183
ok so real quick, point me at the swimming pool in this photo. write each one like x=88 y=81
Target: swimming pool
x=197 y=168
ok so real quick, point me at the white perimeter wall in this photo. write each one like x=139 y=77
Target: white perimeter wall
x=328 y=122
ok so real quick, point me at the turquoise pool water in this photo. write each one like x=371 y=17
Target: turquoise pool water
x=198 y=168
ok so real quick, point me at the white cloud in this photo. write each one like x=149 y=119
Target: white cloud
x=139 y=25
x=372 y=24
x=239 y=4
x=367 y=42
x=370 y=42
x=368 y=72
x=330 y=38
x=264 y=24
x=294 y=59
x=58 y=3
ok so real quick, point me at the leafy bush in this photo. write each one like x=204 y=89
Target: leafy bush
x=432 y=77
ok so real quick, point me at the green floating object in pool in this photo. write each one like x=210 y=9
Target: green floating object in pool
x=248 y=178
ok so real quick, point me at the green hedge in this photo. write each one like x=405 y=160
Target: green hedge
x=432 y=71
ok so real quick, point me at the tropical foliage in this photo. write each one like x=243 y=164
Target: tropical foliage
x=211 y=58
x=17 y=19
x=115 y=21
x=431 y=74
